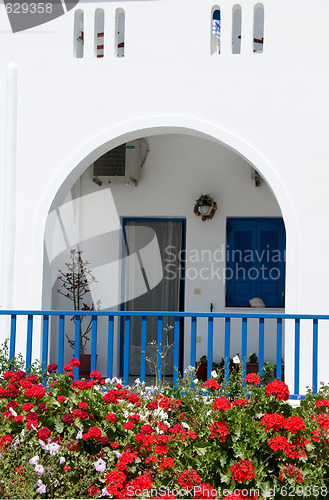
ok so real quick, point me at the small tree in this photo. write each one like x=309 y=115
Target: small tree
x=75 y=286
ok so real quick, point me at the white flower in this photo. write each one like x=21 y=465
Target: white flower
x=195 y=381
x=15 y=443
x=184 y=424
x=214 y=374
x=13 y=412
x=52 y=448
x=190 y=369
x=79 y=435
x=105 y=493
x=100 y=465
x=39 y=469
x=34 y=460
x=62 y=460
x=236 y=359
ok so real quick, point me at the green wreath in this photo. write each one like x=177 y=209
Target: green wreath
x=205 y=199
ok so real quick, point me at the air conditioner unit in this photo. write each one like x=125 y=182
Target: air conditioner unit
x=122 y=164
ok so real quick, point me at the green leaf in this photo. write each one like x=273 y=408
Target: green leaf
x=223 y=458
x=59 y=426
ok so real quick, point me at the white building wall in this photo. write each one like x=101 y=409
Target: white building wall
x=271 y=107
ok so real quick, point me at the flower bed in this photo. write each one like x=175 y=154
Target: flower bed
x=78 y=439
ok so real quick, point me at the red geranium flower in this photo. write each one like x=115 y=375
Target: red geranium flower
x=32 y=416
x=31 y=424
x=111 y=417
x=211 y=384
x=279 y=443
x=27 y=406
x=272 y=422
x=68 y=418
x=114 y=481
x=8 y=375
x=5 y=441
x=323 y=421
x=161 y=449
x=188 y=478
x=83 y=405
x=280 y=389
x=219 y=429
x=146 y=429
x=52 y=368
x=95 y=433
x=96 y=375
x=166 y=462
x=61 y=399
x=291 y=471
x=294 y=424
x=74 y=362
x=44 y=433
x=221 y=403
x=241 y=402
x=94 y=491
x=252 y=378
x=322 y=402
x=242 y=471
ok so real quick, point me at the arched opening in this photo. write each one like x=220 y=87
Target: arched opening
x=215 y=30
x=236 y=29
x=99 y=33
x=78 y=40
x=90 y=217
x=120 y=32
x=258 y=42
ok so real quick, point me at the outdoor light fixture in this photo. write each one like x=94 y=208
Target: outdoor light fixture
x=204 y=209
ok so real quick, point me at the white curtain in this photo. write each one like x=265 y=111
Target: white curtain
x=153 y=278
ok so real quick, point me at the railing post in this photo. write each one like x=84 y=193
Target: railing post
x=61 y=344
x=109 y=373
x=29 y=341
x=77 y=345
x=261 y=345
x=176 y=350
x=126 y=351
x=143 y=348
x=12 y=336
x=244 y=341
x=93 y=342
x=160 y=347
x=193 y=341
x=227 y=349
x=45 y=333
x=210 y=346
x=278 y=348
x=315 y=355
x=297 y=356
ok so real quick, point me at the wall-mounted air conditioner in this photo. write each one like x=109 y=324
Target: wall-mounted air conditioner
x=122 y=164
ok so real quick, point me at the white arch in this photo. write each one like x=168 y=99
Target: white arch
x=80 y=159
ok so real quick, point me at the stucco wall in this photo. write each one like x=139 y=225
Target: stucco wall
x=61 y=113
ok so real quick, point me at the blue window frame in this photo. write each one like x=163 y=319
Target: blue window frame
x=255 y=261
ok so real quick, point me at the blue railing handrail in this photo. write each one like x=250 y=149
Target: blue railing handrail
x=125 y=318
x=184 y=314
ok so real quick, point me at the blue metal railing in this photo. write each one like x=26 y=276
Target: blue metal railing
x=126 y=317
